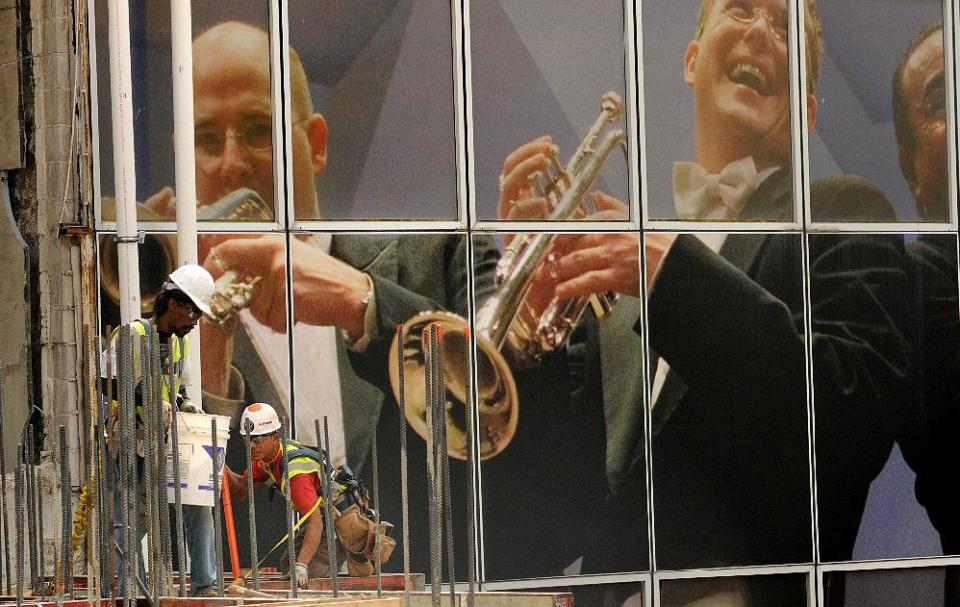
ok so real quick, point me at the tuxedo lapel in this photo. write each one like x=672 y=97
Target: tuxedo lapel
x=623 y=417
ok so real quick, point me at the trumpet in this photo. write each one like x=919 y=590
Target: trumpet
x=504 y=326
x=158 y=254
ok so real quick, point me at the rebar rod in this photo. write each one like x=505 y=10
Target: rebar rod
x=252 y=510
x=160 y=514
x=123 y=453
x=31 y=508
x=177 y=498
x=107 y=486
x=328 y=524
x=375 y=490
x=37 y=482
x=7 y=573
x=436 y=580
x=217 y=504
x=404 y=496
x=288 y=511
x=91 y=456
x=134 y=531
x=132 y=527
x=66 y=559
x=471 y=476
x=18 y=489
x=163 y=502
x=444 y=452
x=147 y=398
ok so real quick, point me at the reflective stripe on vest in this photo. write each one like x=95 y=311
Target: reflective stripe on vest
x=303 y=460
x=177 y=359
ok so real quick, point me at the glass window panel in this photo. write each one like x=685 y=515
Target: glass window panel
x=899 y=346
x=232 y=112
x=380 y=79
x=926 y=587
x=729 y=416
x=787 y=590
x=564 y=491
x=863 y=313
x=243 y=361
x=540 y=68
x=622 y=594
x=934 y=263
x=246 y=359
x=897 y=142
x=717 y=93
x=411 y=273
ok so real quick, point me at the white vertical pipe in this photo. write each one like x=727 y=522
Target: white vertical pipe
x=181 y=41
x=124 y=170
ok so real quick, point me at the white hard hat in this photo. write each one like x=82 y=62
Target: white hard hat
x=196 y=282
x=262 y=416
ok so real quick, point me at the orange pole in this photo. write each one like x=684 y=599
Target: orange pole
x=231 y=532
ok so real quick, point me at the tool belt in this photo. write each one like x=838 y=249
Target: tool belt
x=358 y=534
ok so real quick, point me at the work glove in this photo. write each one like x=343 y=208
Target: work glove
x=167 y=415
x=187 y=406
x=300 y=570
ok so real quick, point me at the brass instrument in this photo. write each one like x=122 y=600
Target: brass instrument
x=158 y=253
x=506 y=318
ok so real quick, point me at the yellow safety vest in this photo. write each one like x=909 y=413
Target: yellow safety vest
x=179 y=352
x=301 y=463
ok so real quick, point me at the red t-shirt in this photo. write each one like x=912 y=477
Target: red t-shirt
x=304 y=488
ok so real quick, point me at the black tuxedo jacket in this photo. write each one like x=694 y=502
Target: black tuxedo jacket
x=929 y=439
x=731 y=470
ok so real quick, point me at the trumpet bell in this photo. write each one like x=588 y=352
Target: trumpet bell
x=497 y=403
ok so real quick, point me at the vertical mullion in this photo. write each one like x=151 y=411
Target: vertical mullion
x=283 y=179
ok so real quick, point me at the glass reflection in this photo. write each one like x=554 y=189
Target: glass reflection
x=932 y=443
x=926 y=587
x=232 y=112
x=747 y=591
x=372 y=96
x=861 y=312
x=581 y=499
x=341 y=346
x=539 y=70
x=736 y=124
x=885 y=64
x=729 y=411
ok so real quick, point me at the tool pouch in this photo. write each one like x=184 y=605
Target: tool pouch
x=353 y=528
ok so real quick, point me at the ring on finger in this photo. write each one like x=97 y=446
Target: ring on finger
x=502 y=181
x=216 y=260
x=553 y=266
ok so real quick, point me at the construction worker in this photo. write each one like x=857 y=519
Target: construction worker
x=356 y=532
x=176 y=310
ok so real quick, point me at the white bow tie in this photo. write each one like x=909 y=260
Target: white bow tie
x=698 y=194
